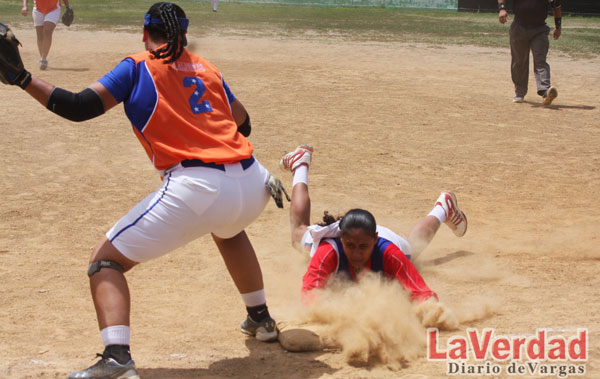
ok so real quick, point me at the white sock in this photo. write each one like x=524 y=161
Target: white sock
x=252 y=299
x=115 y=335
x=300 y=175
x=439 y=213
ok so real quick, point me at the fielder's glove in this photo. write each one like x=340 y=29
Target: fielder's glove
x=68 y=16
x=275 y=188
x=12 y=70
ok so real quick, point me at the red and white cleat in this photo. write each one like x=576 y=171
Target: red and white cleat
x=455 y=218
x=294 y=159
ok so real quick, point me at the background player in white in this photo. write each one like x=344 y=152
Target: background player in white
x=46 y=14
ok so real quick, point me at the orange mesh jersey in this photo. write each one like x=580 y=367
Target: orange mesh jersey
x=46 y=6
x=181 y=111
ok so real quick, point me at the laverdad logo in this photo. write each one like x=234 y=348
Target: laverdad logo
x=484 y=353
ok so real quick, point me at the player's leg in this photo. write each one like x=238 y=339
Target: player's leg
x=48 y=31
x=539 y=49
x=541 y=69
x=243 y=197
x=422 y=233
x=109 y=287
x=244 y=268
x=39 y=31
x=140 y=234
x=48 y=23
x=158 y=224
x=519 y=66
x=298 y=163
x=445 y=211
x=241 y=262
x=38 y=23
x=112 y=302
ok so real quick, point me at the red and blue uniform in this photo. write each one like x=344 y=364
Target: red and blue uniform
x=386 y=259
x=179 y=111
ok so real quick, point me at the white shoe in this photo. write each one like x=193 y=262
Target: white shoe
x=551 y=94
x=294 y=159
x=43 y=64
x=518 y=99
x=455 y=218
x=107 y=368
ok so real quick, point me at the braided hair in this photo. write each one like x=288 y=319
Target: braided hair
x=169 y=29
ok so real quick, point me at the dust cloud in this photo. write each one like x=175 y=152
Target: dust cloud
x=371 y=321
x=374 y=321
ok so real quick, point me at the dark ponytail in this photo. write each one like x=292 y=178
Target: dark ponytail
x=329 y=219
x=359 y=219
x=167 y=21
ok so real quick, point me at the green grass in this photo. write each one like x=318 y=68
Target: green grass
x=581 y=35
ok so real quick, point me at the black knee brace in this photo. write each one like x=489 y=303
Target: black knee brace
x=99 y=265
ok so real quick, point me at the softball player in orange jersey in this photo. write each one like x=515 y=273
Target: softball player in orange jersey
x=194 y=131
x=46 y=14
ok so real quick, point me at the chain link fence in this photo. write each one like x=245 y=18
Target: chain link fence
x=573 y=7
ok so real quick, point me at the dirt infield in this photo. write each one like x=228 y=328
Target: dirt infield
x=392 y=125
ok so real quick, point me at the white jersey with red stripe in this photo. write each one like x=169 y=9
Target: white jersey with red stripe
x=315 y=233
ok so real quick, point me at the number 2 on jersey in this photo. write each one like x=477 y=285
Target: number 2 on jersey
x=204 y=106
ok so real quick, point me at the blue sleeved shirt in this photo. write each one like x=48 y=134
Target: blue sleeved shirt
x=120 y=80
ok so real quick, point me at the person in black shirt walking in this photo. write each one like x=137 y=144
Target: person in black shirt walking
x=530 y=32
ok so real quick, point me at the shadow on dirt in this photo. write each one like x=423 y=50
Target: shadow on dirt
x=79 y=69
x=448 y=258
x=264 y=361
x=558 y=107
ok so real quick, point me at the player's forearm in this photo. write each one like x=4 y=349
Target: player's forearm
x=78 y=107
x=557 y=20
x=238 y=111
x=241 y=117
x=421 y=296
x=66 y=2
x=502 y=12
x=557 y=13
x=39 y=90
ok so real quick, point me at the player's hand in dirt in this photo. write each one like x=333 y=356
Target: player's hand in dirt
x=434 y=314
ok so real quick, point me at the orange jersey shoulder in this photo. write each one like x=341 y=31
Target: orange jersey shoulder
x=181 y=111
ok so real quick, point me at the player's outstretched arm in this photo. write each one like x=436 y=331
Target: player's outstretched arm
x=89 y=103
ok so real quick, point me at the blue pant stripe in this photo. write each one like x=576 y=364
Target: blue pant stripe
x=146 y=212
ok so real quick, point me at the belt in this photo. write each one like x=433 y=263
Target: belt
x=198 y=163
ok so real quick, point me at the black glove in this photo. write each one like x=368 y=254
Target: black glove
x=12 y=70
x=68 y=16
